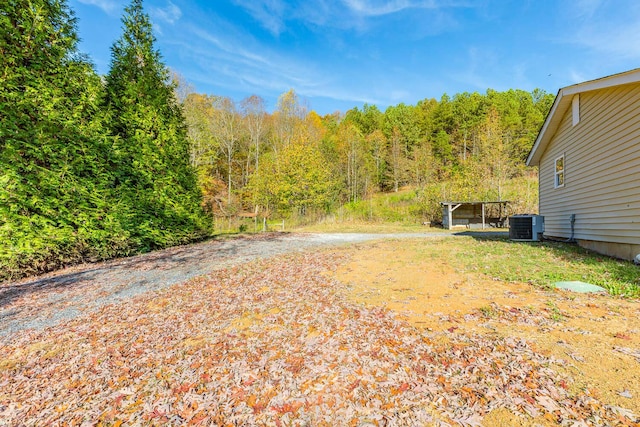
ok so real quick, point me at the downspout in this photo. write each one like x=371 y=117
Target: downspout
x=572 y=218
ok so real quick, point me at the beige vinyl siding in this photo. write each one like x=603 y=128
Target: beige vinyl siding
x=602 y=169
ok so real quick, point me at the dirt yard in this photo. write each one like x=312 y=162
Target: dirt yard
x=312 y=330
x=597 y=335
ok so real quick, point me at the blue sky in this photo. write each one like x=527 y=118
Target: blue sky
x=339 y=54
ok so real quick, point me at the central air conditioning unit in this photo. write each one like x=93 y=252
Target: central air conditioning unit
x=526 y=227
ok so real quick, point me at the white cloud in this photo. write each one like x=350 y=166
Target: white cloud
x=268 y=12
x=342 y=94
x=479 y=63
x=621 y=40
x=378 y=7
x=577 y=77
x=232 y=48
x=607 y=28
x=169 y=14
x=585 y=8
x=241 y=61
x=273 y=14
x=422 y=17
x=110 y=7
x=228 y=58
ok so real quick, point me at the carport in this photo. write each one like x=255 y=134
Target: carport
x=474 y=214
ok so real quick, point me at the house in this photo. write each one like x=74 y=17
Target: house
x=588 y=155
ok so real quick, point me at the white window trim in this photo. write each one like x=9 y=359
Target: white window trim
x=557 y=173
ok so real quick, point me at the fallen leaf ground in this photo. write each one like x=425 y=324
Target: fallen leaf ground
x=597 y=337
x=286 y=341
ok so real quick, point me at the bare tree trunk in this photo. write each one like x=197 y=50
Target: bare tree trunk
x=229 y=159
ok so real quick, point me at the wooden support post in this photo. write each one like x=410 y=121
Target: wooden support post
x=451 y=209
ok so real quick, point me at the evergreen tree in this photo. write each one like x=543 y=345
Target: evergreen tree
x=154 y=176
x=52 y=186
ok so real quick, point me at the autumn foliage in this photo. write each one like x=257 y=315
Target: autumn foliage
x=278 y=343
x=93 y=168
x=293 y=162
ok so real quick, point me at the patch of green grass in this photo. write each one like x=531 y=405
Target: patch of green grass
x=394 y=207
x=554 y=311
x=488 y=311
x=393 y=212
x=538 y=263
x=543 y=263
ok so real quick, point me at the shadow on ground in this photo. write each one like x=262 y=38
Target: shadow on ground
x=188 y=260
x=484 y=235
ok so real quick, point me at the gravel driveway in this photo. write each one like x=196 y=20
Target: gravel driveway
x=48 y=300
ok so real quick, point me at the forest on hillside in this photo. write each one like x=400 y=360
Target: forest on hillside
x=93 y=167
x=293 y=162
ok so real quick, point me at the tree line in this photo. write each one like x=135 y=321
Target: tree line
x=293 y=161
x=93 y=167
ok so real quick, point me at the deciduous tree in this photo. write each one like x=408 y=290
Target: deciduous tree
x=302 y=180
x=227 y=130
x=254 y=114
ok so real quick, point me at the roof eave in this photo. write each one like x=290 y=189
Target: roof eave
x=544 y=135
x=561 y=103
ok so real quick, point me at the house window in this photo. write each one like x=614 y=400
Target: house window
x=559 y=172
